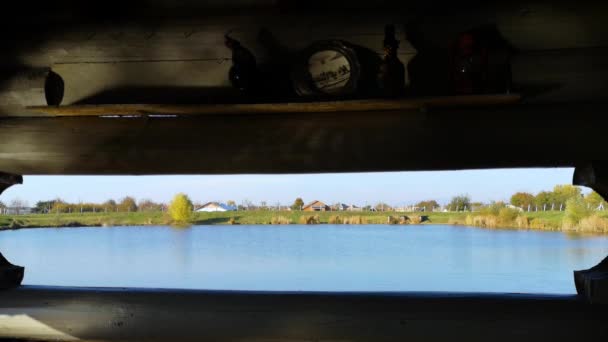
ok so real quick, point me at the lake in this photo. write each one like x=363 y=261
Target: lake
x=305 y=258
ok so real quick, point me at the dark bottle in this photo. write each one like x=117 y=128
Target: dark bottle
x=391 y=76
x=244 y=72
x=469 y=66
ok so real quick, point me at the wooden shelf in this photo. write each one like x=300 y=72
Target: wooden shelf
x=274 y=108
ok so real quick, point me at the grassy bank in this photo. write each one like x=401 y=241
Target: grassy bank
x=219 y=218
x=535 y=220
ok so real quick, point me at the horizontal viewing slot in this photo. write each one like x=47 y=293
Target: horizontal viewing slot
x=505 y=230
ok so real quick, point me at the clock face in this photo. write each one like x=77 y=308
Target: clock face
x=330 y=71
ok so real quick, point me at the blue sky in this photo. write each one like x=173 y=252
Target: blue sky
x=395 y=188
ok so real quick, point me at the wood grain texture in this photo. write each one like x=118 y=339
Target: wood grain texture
x=278 y=108
x=172 y=315
x=511 y=136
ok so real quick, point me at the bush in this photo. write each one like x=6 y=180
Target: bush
x=484 y=221
x=593 y=224
x=280 y=220
x=335 y=219
x=576 y=210
x=508 y=215
x=414 y=219
x=232 y=221
x=393 y=220
x=460 y=221
x=181 y=209
x=309 y=219
x=355 y=220
x=540 y=224
x=522 y=222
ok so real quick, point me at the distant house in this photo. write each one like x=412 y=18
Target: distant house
x=339 y=207
x=353 y=207
x=316 y=206
x=214 y=207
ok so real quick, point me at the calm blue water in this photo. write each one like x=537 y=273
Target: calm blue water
x=307 y=258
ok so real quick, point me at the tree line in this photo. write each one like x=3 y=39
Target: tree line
x=126 y=204
x=554 y=200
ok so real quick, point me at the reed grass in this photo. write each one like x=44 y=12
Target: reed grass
x=309 y=219
x=280 y=220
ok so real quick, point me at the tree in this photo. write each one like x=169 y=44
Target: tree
x=477 y=206
x=247 y=205
x=576 y=210
x=109 y=205
x=127 y=204
x=18 y=205
x=595 y=200
x=60 y=206
x=562 y=193
x=297 y=204
x=427 y=205
x=522 y=200
x=231 y=203
x=544 y=199
x=181 y=209
x=44 y=206
x=460 y=203
x=149 y=205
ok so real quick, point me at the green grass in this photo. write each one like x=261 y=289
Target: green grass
x=552 y=220
x=218 y=218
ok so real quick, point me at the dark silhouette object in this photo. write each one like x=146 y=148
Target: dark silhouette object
x=428 y=70
x=391 y=76
x=53 y=89
x=275 y=80
x=481 y=62
x=592 y=284
x=244 y=73
x=470 y=65
x=8 y=179
x=10 y=275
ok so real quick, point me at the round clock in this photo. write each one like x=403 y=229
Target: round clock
x=326 y=68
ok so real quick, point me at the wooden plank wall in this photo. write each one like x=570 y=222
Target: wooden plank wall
x=68 y=314
x=561 y=59
x=561 y=48
x=519 y=136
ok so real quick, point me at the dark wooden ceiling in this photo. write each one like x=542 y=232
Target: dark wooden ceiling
x=110 y=52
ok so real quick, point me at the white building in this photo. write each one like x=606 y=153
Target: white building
x=511 y=206
x=16 y=210
x=215 y=207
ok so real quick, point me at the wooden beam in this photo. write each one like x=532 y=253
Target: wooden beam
x=509 y=136
x=347 y=107
x=67 y=314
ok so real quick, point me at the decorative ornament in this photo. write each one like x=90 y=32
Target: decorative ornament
x=391 y=76
x=326 y=69
x=244 y=73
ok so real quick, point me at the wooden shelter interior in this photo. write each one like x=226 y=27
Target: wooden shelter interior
x=141 y=88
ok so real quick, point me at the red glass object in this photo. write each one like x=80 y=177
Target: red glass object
x=469 y=65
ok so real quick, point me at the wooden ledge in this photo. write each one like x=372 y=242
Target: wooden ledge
x=274 y=108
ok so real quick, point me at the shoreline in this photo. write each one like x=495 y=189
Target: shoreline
x=535 y=221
